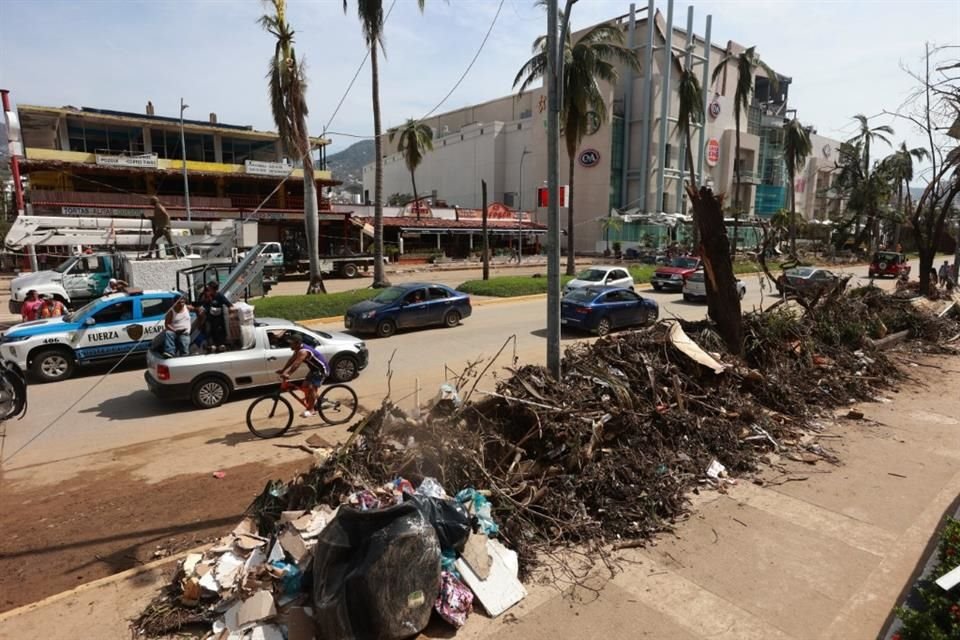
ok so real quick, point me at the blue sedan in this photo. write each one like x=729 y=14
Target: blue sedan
x=408 y=306
x=601 y=310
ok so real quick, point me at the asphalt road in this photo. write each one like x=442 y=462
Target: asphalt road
x=112 y=415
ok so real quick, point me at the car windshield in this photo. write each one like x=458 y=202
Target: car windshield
x=800 y=272
x=581 y=295
x=884 y=256
x=684 y=263
x=592 y=275
x=81 y=312
x=696 y=276
x=390 y=294
x=66 y=265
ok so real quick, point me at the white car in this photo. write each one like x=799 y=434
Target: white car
x=600 y=276
x=694 y=288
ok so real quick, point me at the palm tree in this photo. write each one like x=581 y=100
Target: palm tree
x=592 y=59
x=899 y=167
x=414 y=138
x=288 y=104
x=796 y=148
x=746 y=63
x=690 y=112
x=371 y=17
x=864 y=138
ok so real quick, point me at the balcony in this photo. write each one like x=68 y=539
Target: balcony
x=749 y=177
x=50 y=198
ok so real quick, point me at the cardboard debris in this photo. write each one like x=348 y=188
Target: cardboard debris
x=300 y=625
x=247 y=542
x=245 y=526
x=276 y=553
x=502 y=589
x=317 y=441
x=257 y=607
x=190 y=562
x=266 y=632
x=475 y=554
x=228 y=569
x=292 y=543
x=290 y=516
x=716 y=470
x=692 y=350
x=209 y=582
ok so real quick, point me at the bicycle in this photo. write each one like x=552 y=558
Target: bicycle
x=270 y=416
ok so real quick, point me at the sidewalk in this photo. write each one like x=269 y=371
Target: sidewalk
x=822 y=552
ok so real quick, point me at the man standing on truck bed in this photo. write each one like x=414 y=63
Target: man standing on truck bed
x=214 y=321
x=160 y=223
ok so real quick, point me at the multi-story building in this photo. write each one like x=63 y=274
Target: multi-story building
x=635 y=161
x=98 y=162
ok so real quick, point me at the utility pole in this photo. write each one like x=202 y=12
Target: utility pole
x=183 y=153
x=486 y=237
x=520 y=207
x=553 y=209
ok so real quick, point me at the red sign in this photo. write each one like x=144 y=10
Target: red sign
x=713 y=152
x=543 y=197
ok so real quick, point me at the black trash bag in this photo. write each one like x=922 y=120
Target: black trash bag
x=448 y=517
x=376 y=574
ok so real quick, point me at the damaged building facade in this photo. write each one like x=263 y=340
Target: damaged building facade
x=634 y=162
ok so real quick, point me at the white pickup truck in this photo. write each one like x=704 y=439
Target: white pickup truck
x=209 y=379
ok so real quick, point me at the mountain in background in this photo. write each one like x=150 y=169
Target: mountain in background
x=347 y=165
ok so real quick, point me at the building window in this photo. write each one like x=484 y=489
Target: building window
x=666 y=203
x=667 y=152
x=519 y=126
x=481 y=131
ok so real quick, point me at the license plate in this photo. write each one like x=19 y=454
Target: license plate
x=348 y=323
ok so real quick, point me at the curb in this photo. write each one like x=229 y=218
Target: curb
x=99 y=582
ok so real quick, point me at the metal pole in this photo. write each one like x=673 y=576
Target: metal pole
x=647 y=132
x=14 y=160
x=688 y=66
x=706 y=98
x=553 y=209
x=520 y=207
x=183 y=152
x=664 y=105
x=627 y=114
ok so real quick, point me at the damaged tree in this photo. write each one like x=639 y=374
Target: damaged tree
x=723 y=302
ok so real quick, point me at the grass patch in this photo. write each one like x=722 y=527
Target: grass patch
x=508 y=286
x=305 y=307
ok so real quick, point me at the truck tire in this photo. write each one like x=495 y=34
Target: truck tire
x=209 y=392
x=349 y=270
x=344 y=368
x=51 y=365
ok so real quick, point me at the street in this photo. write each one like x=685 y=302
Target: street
x=117 y=422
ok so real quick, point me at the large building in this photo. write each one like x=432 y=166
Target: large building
x=103 y=163
x=634 y=161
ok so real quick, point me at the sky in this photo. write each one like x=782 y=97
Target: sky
x=844 y=56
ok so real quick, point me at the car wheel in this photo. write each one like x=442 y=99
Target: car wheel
x=687 y=297
x=656 y=287
x=350 y=270
x=603 y=327
x=345 y=368
x=52 y=365
x=386 y=328
x=452 y=318
x=209 y=392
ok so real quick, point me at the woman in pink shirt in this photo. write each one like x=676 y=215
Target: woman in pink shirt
x=31 y=306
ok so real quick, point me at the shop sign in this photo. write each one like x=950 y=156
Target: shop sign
x=260 y=168
x=713 y=152
x=589 y=158
x=714 y=109
x=143 y=161
x=102 y=212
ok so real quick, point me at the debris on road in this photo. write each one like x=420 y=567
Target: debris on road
x=602 y=458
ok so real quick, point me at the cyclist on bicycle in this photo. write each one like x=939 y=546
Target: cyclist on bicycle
x=318 y=367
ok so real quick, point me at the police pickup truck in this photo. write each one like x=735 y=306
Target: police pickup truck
x=103 y=330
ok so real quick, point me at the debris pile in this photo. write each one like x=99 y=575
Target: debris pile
x=601 y=458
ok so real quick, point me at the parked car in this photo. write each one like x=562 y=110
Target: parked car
x=103 y=330
x=408 y=306
x=695 y=288
x=809 y=280
x=600 y=276
x=673 y=276
x=602 y=309
x=209 y=379
x=889 y=264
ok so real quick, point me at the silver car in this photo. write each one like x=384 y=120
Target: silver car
x=694 y=288
x=209 y=379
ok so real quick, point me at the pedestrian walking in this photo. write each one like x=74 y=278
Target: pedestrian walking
x=160 y=223
x=945 y=274
x=176 y=325
x=30 y=309
x=51 y=307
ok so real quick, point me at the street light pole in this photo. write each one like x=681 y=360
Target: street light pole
x=183 y=154
x=520 y=207
x=553 y=210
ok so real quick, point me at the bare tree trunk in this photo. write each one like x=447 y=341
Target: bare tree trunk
x=416 y=202
x=736 y=193
x=571 y=260
x=723 y=301
x=693 y=183
x=311 y=224
x=379 y=277
x=486 y=237
x=793 y=217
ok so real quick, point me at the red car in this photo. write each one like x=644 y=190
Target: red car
x=676 y=273
x=889 y=264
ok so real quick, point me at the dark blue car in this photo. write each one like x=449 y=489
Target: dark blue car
x=602 y=309
x=408 y=306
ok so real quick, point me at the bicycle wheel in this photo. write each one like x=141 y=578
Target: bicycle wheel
x=337 y=404
x=269 y=416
